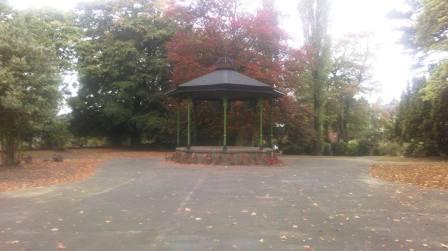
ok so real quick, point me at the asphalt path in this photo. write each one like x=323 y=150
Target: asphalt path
x=150 y=204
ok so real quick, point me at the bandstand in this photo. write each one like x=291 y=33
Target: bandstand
x=225 y=85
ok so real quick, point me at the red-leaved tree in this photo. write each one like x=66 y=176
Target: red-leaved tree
x=211 y=29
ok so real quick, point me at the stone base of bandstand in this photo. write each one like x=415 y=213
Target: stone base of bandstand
x=232 y=155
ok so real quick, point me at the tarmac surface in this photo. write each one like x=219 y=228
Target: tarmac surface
x=150 y=204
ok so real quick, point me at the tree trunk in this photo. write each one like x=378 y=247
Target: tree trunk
x=136 y=138
x=115 y=140
x=317 y=113
x=10 y=153
x=342 y=125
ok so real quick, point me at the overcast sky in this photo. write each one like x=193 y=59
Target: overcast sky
x=390 y=65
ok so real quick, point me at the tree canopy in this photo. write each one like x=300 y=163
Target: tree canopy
x=122 y=70
x=127 y=54
x=210 y=30
x=432 y=25
x=422 y=117
x=30 y=66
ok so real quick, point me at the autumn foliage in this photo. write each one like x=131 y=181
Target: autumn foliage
x=209 y=30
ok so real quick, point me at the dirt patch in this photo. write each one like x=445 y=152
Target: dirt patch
x=424 y=174
x=78 y=164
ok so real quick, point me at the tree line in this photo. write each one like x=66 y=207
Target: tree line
x=127 y=54
x=421 y=124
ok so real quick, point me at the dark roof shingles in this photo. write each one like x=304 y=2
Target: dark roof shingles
x=224 y=76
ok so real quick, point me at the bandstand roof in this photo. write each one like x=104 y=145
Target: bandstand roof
x=224 y=82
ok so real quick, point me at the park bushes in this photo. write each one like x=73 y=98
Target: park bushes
x=294 y=149
x=354 y=148
x=388 y=148
x=56 y=135
x=420 y=149
x=367 y=148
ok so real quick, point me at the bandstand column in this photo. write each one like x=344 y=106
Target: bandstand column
x=224 y=104
x=194 y=123
x=189 y=124
x=178 y=124
x=271 y=128
x=260 y=106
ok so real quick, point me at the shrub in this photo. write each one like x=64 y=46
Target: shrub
x=352 y=148
x=56 y=135
x=296 y=149
x=420 y=149
x=388 y=148
x=414 y=149
x=363 y=148
x=339 y=149
x=327 y=149
x=431 y=149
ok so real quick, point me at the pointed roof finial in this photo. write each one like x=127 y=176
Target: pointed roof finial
x=225 y=63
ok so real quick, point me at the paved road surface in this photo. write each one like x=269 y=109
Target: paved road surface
x=148 y=204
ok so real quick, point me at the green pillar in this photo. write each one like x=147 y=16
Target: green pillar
x=271 y=128
x=260 y=106
x=224 y=103
x=178 y=124
x=194 y=123
x=189 y=124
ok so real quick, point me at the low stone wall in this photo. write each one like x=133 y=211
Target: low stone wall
x=226 y=158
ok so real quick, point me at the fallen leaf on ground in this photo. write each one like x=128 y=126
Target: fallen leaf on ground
x=61 y=245
x=425 y=174
x=12 y=242
x=78 y=164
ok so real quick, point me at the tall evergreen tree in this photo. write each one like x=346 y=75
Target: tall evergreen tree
x=315 y=17
x=422 y=120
